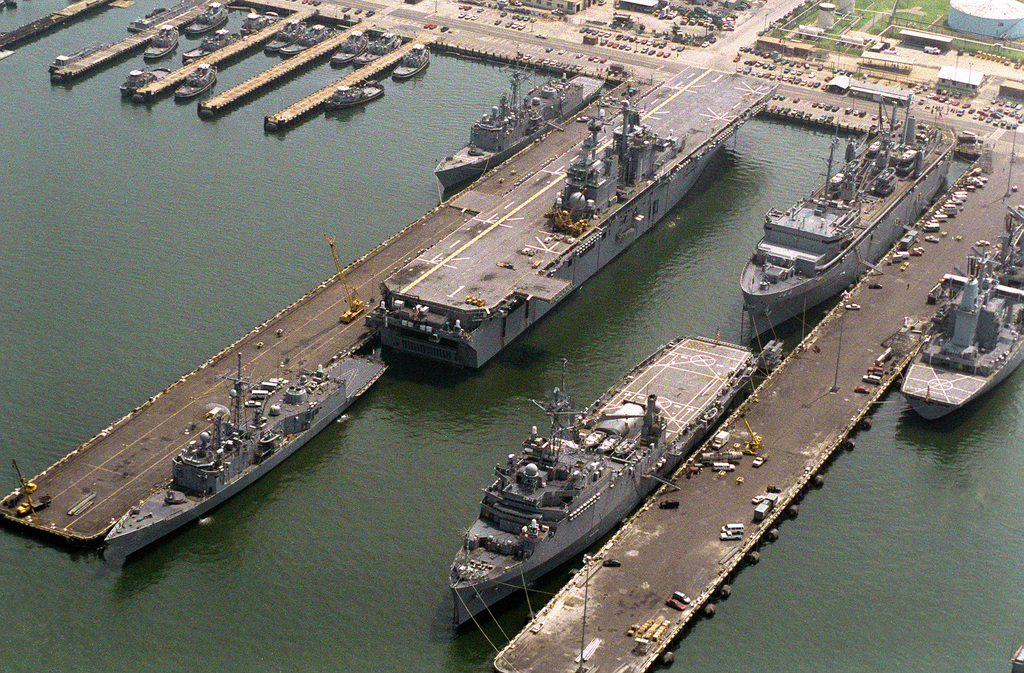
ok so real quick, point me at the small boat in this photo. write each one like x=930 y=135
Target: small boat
x=154 y=18
x=199 y=81
x=63 y=61
x=210 y=44
x=254 y=22
x=140 y=78
x=350 y=96
x=385 y=44
x=293 y=30
x=354 y=45
x=314 y=35
x=214 y=16
x=162 y=44
x=412 y=63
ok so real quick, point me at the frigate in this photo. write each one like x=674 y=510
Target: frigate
x=977 y=339
x=513 y=123
x=267 y=423
x=817 y=248
x=565 y=490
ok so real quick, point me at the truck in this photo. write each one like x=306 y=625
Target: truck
x=765 y=505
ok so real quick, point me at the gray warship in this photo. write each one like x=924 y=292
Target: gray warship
x=285 y=415
x=817 y=248
x=977 y=339
x=514 y=123
x=519 y=251
x=564 y=491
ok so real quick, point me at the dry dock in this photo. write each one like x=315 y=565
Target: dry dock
x=99 y=481
x=163 y=86
x=132 y=43
x=803 y=413
x=312 y=103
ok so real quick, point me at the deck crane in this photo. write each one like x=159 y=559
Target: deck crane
x=754 y=445
x=355 y=303
x=27 y=488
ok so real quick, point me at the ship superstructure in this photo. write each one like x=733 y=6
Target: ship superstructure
x=566 y=489
x=515 y=122
x=519 y=252
x=818 y=247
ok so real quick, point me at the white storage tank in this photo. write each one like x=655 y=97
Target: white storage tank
x=1003 y=19
x=826 y=15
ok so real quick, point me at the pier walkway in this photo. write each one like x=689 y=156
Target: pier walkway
x=250 y=87
x=310 y=104
x=803 y=413
x=163 y=86
x=132 y=43
x=98 y=482
x=43 y=25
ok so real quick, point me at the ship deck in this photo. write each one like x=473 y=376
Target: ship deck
x=687 y=376
x=507 y=243
x=941 y=385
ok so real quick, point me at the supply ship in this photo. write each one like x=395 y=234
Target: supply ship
x=513 y=123
x=817 y=248
x=978 y=341
x=520 y=250
x=564 y=491
x=285 y=414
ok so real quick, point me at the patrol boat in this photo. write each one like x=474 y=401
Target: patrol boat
x=978 y=341
x=817 y=248
x=285 y=414
x=353 y=45
x=515 y=122
x=564 y=491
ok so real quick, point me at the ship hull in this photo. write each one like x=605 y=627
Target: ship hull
x=768 y=310
x=931 y=407
x=165 y=518
x=594 y=252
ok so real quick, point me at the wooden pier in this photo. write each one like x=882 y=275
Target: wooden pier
x=803 y=414
x=130 y=44
x=250 y=87
x=43 y=25
x=312 y=103
x=161 y=87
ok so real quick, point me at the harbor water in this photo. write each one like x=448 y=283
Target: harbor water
x=139 y=241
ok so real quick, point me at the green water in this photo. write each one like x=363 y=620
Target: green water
x=137 y=242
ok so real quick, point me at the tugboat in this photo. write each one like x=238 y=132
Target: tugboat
x=254 y=22
x=413 y=63
x=163 y=43
x=63 y=61
x=346 y=97
x=314 y=35
x=210 y=44
x=199 y=81
x=215 y=16
x=385 y=44
x=140 y=78
x=267 y=424
x=154 y=18
x=293 y=30
x=354 y=45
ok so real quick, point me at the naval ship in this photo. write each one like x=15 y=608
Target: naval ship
x=514 y=123
x=817 y=248
x=212 y=468
x=520 y=250
x=563 y=491
x=978 y=341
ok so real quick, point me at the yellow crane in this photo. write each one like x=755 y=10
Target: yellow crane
x=754 y=444
x=355 y=303
x=27 y=488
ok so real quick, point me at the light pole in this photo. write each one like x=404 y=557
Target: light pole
x=1009 y=172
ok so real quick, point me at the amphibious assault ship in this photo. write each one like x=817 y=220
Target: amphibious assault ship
x=285 y=415
x=818 y=247
x=564 y=491
x=513 y=123
x=521 y=250
x=978 y=339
